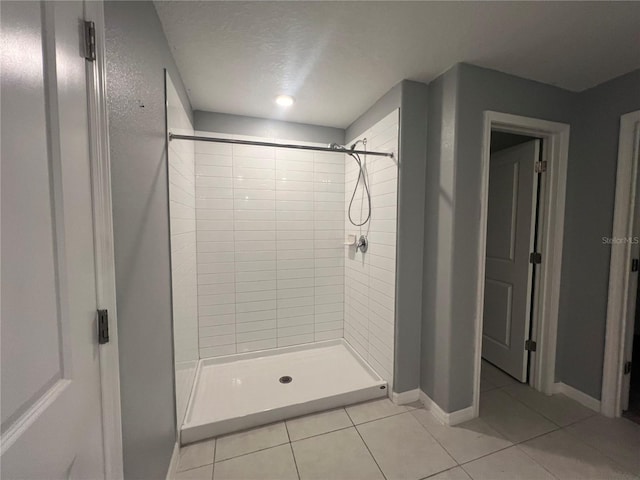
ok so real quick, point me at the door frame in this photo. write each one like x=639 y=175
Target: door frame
x=555 y=150
x=103 y=245
x=620 y=265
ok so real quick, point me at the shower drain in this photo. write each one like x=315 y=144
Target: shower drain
x=285 y=379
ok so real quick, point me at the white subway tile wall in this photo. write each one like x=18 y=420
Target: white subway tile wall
x=369 y=298
x=182 y=221
x=270 y=254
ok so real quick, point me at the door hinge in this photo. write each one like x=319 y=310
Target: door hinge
x=541 y=167
x=535 y=258
x=627 y=368
x=103 y=327
x=89 y=41
x=530 y=345
x=634 y=265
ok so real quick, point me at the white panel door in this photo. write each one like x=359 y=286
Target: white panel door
x=510 y=230
x=51 y=410
x=633 y=286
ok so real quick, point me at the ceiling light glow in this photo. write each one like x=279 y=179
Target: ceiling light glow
x=284 y=100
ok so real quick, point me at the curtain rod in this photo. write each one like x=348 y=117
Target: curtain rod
x=173 y=136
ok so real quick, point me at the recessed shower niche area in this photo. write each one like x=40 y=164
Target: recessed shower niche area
x=283 y=253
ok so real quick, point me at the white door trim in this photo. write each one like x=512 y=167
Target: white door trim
x=104 y=249
x=555 y=147
x=620 y=266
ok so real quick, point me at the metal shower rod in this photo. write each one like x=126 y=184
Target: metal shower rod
x=174 y=136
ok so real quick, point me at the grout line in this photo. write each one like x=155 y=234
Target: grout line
x=197 y=274
x=570 y=424
x=249 y=453
x=353 y=425
x=442 y=471
x=434 y=437
x=465 y=471
x=295 y=462
x=233 y=228
x=381 y=418
x=213 y=467
x=555 y=429
x=286 y=427
x=370 y=453
x=504 y=388
x=323 y=433
x=594 y=447
x=535 y=436
x=488 y=454
x=350 y=419
x=213 y=459
x=344 y=409
x=536 y=462
x=193 y=468
x=513 y=444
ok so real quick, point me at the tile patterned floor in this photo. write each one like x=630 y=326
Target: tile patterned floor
x=520 y=434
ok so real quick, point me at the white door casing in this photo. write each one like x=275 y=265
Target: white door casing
x=620 y=305
x=555 y=150
x=51 y=394
x=104 y=246
x=508 y=272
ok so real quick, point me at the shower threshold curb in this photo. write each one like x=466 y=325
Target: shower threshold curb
x=196 y=429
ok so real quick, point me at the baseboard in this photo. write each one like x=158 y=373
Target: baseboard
x=446 y=418
x=173 y=464
x=577 y=395
x=461 y=416
x=404 y=398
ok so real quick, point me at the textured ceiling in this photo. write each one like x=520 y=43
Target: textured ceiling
x=338 y=58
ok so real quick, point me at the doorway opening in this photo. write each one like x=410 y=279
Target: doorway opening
x=632 y=411
x=516 y=177
x=526 y=227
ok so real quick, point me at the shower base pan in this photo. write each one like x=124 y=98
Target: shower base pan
x=242 y=391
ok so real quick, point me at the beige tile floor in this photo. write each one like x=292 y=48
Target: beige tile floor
x=521 y=434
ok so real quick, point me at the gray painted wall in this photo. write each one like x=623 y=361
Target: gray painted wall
x=451 y=266
x=410 y=248
x=480 y=89
x=376 y=112
x=137 y=54
x=457 y=101
x=591 y=177
x=435 y=354
x=411 y=98
x=261 y=127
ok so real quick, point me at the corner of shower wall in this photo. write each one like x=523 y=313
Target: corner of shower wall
x=370 y=278
x=270 y=254
x=182 y=221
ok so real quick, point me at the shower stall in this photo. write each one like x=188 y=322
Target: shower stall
x=283 y=273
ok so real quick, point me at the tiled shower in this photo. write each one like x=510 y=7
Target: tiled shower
x=269 y=243
x=263 y=256
x=369 y=306
x=182 y=221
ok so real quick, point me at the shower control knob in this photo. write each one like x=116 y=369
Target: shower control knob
x=363 y=244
